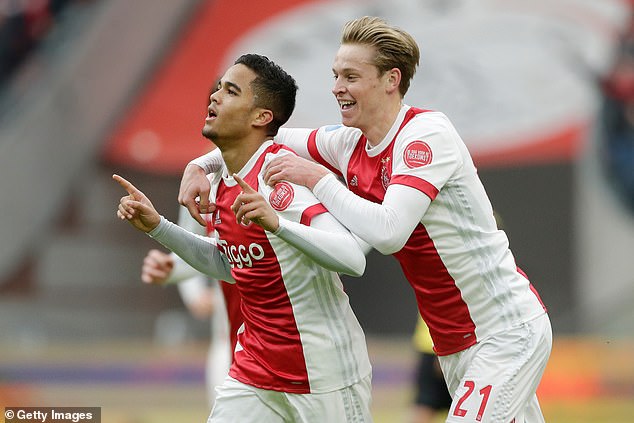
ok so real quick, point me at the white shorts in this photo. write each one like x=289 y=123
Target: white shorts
x=238 y=402
x=496 y=379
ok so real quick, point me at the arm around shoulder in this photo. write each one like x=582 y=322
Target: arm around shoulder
x=327 y=243
x=385 y=226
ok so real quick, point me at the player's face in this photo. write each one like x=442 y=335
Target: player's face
x=359 y=88
x=231 y=108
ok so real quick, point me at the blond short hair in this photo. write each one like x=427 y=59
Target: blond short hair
x=394 y=47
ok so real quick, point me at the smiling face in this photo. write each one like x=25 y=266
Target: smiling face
x=363 y=93
x=231 y=110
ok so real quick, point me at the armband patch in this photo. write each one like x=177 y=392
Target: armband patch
x=417 y=154
x=282 y=196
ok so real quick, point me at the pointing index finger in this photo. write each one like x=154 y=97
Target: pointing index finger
x=245 y=187
x=131 y=189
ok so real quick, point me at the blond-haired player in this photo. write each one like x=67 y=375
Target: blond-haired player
x=412 y=191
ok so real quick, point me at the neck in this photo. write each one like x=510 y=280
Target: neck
x=236 y=154
x=381 y=124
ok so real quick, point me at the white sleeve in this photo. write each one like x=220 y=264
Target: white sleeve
x=330 y=146
x=198 y=251
x=190 y=282
x=211 y=162
x=296 y=139
x=386 y=226
x=182 y=272
x=326 y=242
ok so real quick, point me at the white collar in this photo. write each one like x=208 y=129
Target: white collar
x=228 y=179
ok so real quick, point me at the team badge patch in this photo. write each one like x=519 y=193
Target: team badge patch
x=281 y=196
x=386 y=172
x=417 y=154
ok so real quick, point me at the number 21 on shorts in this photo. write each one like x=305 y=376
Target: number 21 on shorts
x=466 y=400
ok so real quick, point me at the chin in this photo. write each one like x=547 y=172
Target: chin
x=348 y=122
x=208 y=132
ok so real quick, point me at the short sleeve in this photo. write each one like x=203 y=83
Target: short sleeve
x=426 y=154
x=332 y=146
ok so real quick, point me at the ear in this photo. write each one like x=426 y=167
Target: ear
x=262 y=117
x=393 y=79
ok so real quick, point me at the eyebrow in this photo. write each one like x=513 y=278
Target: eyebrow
x=345 y=70
x=231 y=85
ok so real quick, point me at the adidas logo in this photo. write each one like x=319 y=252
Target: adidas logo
x=354 y=182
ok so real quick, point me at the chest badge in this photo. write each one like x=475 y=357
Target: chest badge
x=386 y=172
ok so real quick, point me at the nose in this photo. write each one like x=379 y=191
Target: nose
x=213 y=98
x=338 y=87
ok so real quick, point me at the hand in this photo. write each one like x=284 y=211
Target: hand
x=194 y=192
x=157 y=267
x=292 y=168
x=136 y=208
x=250 y=206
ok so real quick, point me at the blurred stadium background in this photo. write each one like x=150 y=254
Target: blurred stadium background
x=541 y=91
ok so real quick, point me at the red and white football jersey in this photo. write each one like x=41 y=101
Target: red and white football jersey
x=464 y=276
x=300 y=334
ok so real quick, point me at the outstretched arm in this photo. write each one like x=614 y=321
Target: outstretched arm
x=168 y=268
x=198 y=251
x=183 y=271
x=136 y=208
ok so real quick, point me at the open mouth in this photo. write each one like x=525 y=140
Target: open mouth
x=211 y=114
x=346 y=104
